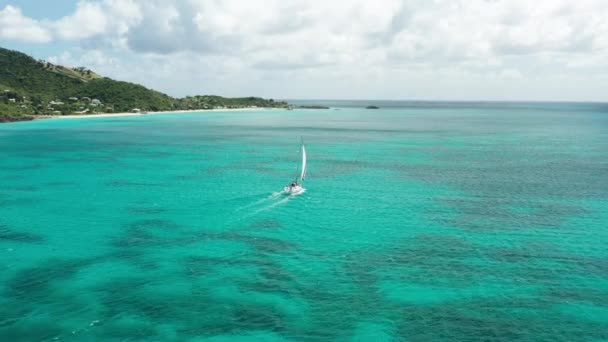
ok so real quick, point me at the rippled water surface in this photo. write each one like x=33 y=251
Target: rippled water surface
x=463 y=222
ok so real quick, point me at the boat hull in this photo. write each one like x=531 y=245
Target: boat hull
x=293 y=189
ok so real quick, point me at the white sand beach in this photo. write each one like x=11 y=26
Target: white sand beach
x=104 y=115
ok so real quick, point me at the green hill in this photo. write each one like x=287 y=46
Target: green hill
x=124 y=96
x=30 y=86
x=27 y=76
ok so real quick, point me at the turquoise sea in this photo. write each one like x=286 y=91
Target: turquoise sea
x=422 y=221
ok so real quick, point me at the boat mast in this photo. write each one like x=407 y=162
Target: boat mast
x=303 y=151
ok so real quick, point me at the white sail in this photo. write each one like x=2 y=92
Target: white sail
x=303 y=163
x=295 y=188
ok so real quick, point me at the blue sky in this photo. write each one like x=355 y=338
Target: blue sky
x=52 y=10
x=383 y=49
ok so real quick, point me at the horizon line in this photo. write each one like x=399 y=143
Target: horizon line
x=444 y=100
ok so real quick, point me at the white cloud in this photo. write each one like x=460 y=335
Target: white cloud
x=510 y=74
x=87 y=21
x=404 y=30
x=14 y=26
x=91 y=19
x=332 y=42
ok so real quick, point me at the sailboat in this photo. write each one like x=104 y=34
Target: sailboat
x=295 y=187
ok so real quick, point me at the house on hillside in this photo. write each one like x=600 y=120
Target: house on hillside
x=95 y=102
x=73 y=98
x=135 y=110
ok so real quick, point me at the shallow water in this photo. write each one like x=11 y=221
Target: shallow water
x=420 y=222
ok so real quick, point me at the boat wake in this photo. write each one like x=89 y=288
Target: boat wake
x=261 y=201
x=283 y=198
x=269 y=202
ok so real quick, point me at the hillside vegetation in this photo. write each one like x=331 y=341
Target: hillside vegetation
x=29 y=86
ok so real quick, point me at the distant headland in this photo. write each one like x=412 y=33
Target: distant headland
x=311 y=107
x=31 y=88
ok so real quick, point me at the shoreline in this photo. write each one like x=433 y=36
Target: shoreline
x=105 y=115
